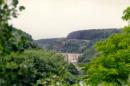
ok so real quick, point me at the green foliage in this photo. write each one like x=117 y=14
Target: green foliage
x=34 y=67
x=71 y=68
x=113 y=63
x=30 y=67
x=22 y=67
x=9 y=9
x=112 y=66
x=126 y=14
x=13 y=40
x=88 y=54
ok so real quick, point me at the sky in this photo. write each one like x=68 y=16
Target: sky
x=57 y=18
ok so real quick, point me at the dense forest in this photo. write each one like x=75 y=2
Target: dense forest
x=24 y=63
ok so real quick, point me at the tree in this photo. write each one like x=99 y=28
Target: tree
x=13 y=40
x=112 y=66
x=88 y=54
x=126 y=15
x=32 y=67
x=9 y=9
x=9 y=42
x=22 y=66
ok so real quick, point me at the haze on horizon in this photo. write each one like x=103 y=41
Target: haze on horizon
x=57 y=18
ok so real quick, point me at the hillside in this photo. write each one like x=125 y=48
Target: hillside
x=92 y=34
x=76 y=42
x=63 y=45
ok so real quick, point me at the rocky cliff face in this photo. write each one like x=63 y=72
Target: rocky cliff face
x=92 y=34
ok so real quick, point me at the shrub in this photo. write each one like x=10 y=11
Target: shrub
x=31 y=66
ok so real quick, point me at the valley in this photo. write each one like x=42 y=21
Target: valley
x=77 y=44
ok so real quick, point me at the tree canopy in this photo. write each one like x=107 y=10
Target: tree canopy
x=9 y=9
x=21 y=65
x=10 y=39
x=35 y=67
x=126 y=14
x=112 y=65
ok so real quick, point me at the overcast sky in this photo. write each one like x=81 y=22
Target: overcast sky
x=57 y=18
